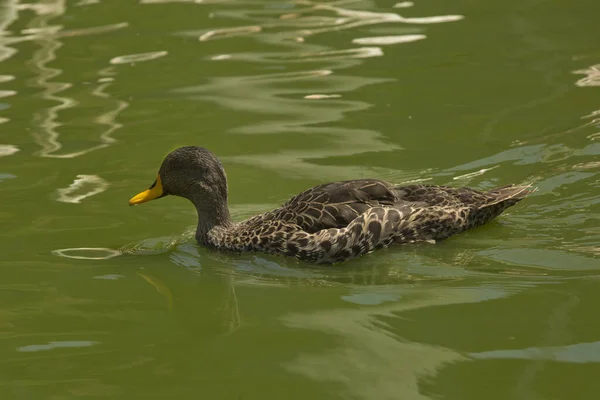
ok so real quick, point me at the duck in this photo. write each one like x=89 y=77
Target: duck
x=329 y=223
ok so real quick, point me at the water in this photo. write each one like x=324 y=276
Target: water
x=98 y=299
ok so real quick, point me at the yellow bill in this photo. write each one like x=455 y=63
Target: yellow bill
x=154 y=192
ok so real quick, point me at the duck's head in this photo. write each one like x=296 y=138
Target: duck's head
x=191 y=172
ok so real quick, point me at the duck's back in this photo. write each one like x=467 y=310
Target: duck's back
x=337 y=204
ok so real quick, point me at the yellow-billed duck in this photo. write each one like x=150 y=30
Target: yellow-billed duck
x=328 y=223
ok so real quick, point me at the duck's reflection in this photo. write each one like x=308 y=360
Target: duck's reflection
x=198 y=285
x=201 y=297
x=372 y=355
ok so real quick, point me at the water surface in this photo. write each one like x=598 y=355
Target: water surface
x=98 y=299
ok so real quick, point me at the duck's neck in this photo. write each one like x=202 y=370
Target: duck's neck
x=211 y=215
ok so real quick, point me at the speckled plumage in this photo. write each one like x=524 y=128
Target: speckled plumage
x=332 y=222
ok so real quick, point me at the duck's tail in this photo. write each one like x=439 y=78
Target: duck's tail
x=507 y=195
x=498 y=200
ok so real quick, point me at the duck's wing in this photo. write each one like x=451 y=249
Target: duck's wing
x=376 y=228
x=336 y=204
x=461 y=197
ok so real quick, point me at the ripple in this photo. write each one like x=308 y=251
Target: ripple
x=270 y=94
x=385 y=40
x=474 y=174
x=220 y=57
x=86 y=3
x=55 y=345
x=10 y=13
x=8 y=149
x=92 y=183
x=322 y=96
x=39 y=32
x=6 y=176
x=157 y=245
x=364 y=363
x=361 y=52
x=93 y=30
x=592 y=76
x=261 y=270
x=170 y=1
x=301 y=18
x=587 y=165
x=576 y=353
x=229 y=32
x=404 y=4
x=433 y=20
x=357 y=18
x=140 y=57
x=282 y=30
x=47 y=120
x=109 y=277
x=7 y=93
x=95 y=253
x=542 y=258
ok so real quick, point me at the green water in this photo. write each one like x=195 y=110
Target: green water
x=102 y=300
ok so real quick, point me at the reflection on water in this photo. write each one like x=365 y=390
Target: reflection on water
x=229 y=32
x=279 y=94
x=48 y=44
x=296 y=116
x=8 y=149
x=135 y=58
x=8 y=14
x=298 y=89
x=87 y=253
x=592 y=79
x=592 y=76
x=404 y=4
x=49 y=39
x=201 y=297
x=466 y=177
x=575 y=353
x=86 y=185
x=54 y=345
x=297 y=15
x=371 y=361
x=383 y=40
